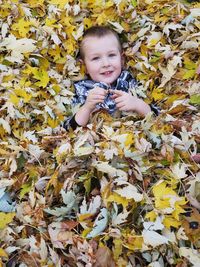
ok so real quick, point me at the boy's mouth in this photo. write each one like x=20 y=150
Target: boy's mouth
x=107 y=73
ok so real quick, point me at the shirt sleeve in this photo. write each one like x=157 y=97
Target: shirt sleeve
x=78 y=100
x=70 y=123
x=155 y=109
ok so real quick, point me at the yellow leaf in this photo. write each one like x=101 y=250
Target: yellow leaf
x=56 y=88
x=7 y=78
x=23 y=94
x=57 y=185
x=157 y=94
x=162 y=189
x=162 y=204
x=70 y=46
x=169 y=221
x=151 y=216
x=6 y=218
x=60 y=3
x=50 y=22
x=24 y=83
x=42 y=76
x=153 y=42
x=35 y=3
x=178 y=209
x=53 y=181
x=162 y=193
x=87 y=22
x=28 y=70
x=85 y=232
x=19 y=93
x=189 y=74
x=171 y=98
x=84 y=217
x=144 y=50
x=189 y=64
x=22 y=26
x=5 y=10
x=3 y=253
x=14 y=99
x=53 y=122
x=114 y=197
x=129 y=139
x=102 y=18
x=134 y=242
x=177 y=109
x=117 y=250
x=4 y=152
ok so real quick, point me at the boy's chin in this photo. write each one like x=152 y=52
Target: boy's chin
x=107 y=81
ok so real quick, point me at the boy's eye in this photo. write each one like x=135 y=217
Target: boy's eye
x=95 y=58
x=112 y=55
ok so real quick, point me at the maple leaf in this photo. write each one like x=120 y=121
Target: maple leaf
x=22 y=26
x=179 y=170
x=104 y=258
x=42 y=76
x=153 y=238
x=128 y=191
x=3 y=253
x=5 y=125
x=93 y=207
x=119 y=218
x=99 y=224
x=6 y=204
x=191 y=254
x=5 y=219
x=111 y=171
x=17 y=47
x=70 y=202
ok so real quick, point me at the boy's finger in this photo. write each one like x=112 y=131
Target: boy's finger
x=116 y=92
x=118 y=99
x=99 y=89
x=97 y=97
x=114 y=96
x=97 y=94
x=120 y=104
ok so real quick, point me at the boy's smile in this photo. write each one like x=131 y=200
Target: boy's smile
x=102 y=58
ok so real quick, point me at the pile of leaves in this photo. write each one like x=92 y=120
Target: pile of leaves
x=121 y=191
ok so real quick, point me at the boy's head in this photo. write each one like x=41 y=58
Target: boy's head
x=101 y=53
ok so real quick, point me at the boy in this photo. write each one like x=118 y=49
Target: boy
x=108 y=86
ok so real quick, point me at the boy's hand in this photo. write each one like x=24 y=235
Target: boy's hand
x=127 y=102
x=95 y=96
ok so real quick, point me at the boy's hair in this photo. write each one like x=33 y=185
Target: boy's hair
x=98 y=31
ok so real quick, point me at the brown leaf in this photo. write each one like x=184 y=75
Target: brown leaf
x=196 y=158
x=183 y=263
x=69 y=224
x=30 y=259
x=104 y=258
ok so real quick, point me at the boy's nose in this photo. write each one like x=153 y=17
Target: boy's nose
x=105 y=62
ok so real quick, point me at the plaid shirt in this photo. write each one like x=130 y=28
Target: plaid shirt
x=124 y=82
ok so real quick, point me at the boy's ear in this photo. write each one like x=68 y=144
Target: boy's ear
x=83 y=65
x=80 y=61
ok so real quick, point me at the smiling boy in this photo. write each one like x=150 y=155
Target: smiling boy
x=108 y=86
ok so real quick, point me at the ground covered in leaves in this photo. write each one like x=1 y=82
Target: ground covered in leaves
x=121 y=192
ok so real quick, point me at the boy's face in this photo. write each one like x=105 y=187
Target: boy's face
x=102 y=58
